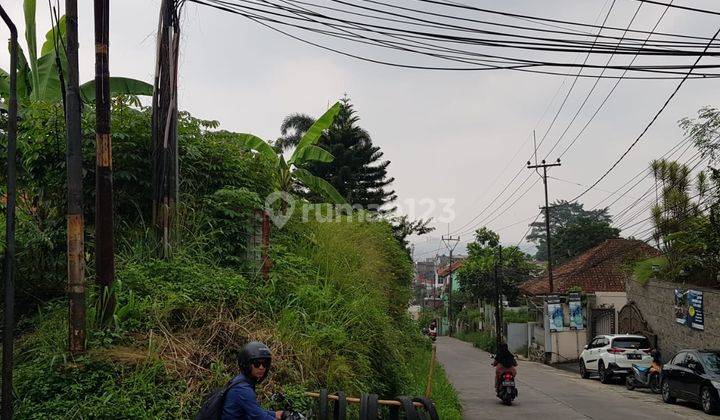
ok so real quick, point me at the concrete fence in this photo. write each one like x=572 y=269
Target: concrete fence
x=656 y=301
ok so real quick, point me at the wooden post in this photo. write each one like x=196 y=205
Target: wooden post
x=75 y=222
x=428 y=386
x=164 y=125
x=266 y=263
x=9 y=263
x=104 y=240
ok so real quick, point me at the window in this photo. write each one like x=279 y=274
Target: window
x=679 y=359
x=631 y=343
x=595 y=343
x=693 y=362
x=711 y=361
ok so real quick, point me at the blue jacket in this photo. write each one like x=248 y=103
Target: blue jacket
x=241 y=402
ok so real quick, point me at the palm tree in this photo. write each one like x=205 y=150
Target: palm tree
x=291 y=171
x=41 y=78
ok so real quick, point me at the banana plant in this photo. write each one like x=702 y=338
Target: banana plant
x=290 y=171
x=38 y=78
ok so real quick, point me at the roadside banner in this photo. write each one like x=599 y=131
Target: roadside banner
x=577 y=321
x=689 y=308
x=555 y=313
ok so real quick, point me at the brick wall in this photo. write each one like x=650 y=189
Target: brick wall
x=656 y=300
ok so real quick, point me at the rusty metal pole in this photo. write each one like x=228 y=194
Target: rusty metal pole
x=75 y=222
x=104 y=240
x=8 y=267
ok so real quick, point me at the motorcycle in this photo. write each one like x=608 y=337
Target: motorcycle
x=433 y=334
x=505 y=387
x=643 y=377
x=289 y=413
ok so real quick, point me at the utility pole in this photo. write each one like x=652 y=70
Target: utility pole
x=498 y=298
x=104 y=240
x=544 y=167
x=450 y=242
x=75 y=222
x=164 y=124
x=9 y=263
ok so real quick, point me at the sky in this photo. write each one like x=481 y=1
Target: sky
x=449 y=135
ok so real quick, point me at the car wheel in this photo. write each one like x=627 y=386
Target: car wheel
x=603 y=373
x=666 y=395
x=583 y=370
x=709 y=400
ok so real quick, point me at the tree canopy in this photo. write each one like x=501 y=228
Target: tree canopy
x=357 y=171
x=477 y=273
x=574 y=230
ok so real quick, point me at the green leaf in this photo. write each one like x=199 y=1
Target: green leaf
x=118 y=86
x=54 y=35
x=24 y=77
x=48 y=87
x=318 y=185
x=257 y=144
x=29 y=7
x=311 y=154
x=322 y=124
x=4 y=84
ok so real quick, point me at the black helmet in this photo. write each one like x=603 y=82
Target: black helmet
x=254 y=350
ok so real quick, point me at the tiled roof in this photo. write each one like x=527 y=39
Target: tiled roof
x=445 y=270
x=599 y=269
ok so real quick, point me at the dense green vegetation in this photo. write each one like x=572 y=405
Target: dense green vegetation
x=574 y=230
x=333 y=310
x=357 y=171
x=686 y=213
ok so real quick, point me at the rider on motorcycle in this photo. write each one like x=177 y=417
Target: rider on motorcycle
x=504 y=362
x=656 y=364
x=241 y=400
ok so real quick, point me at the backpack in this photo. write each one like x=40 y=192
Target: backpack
x=214 y=403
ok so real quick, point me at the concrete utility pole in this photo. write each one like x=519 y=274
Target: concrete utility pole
x=75 y=222
x=544 y=166
x=9 y=266
x=450 y=242
x=104 y=240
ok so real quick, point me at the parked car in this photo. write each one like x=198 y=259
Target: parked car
x=613 y=355
x=693 y=375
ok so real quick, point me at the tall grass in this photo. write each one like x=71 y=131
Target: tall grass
x=333 y=313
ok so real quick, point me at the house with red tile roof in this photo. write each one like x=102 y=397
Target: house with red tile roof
x=603 y=268
x=599 y=275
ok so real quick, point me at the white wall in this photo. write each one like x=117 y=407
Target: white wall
x=567 y=345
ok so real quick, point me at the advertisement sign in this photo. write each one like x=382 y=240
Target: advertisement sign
x=555 y=313
x=689 y=309
x=577 y=321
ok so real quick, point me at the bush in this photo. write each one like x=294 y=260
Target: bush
x=521 y=316
x=482 y=340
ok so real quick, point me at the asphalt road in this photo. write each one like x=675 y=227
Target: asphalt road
x=545 y=392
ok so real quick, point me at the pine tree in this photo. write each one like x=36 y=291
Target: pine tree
x=358 y=172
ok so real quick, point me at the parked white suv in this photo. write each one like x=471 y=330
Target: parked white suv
x=614 y=355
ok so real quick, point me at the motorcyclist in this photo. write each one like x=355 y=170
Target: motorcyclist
x=241 y=401
x=656 y=364
x=504 y=362
x=432 y=329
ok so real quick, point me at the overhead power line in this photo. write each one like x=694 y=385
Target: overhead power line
x=645 y=130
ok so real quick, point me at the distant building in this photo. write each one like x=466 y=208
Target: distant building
x=600 y=275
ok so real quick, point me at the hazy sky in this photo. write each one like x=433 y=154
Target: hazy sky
x=448 y=134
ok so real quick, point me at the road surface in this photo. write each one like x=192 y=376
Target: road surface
x=547 y=393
